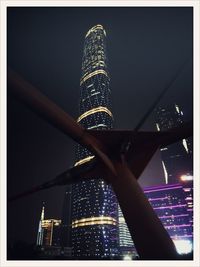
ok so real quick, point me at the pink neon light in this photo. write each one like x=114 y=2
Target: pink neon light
x=174 y=216
x=162 y=189
x=169 y=186
x=189 y=209
x=177 y=226
x=170 y=207
x=159 y=198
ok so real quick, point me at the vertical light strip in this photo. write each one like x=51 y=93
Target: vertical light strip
x=185 y=145
x=51 y=233
x=165 y=172
x=157 y=126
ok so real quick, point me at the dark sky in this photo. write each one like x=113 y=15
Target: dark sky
x=145 y=47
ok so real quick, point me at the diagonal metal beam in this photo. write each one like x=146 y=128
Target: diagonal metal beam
x=57 y=117
x=72 y=175
x=160 y=96
x=126 y=145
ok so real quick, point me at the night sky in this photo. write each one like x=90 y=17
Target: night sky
x=145 y=47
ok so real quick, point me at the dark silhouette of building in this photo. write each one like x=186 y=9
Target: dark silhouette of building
x=94 y=204
x=66 y=218
x=177 y=159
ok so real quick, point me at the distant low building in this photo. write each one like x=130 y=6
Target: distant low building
x=55 y=252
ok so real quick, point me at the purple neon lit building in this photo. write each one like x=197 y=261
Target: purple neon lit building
x=171 y=205
x=169 y=202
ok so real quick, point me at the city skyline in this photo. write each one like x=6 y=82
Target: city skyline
x=39 y=123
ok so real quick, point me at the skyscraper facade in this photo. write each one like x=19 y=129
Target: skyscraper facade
x=126 y=245
x=49 y=231
x=187 y=182
x=173 y=205
x=39 y=241
x=94 y=204
x=176 y=158
x=169 y=202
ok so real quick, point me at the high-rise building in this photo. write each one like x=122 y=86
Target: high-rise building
x=173 y=206
x=126 y=246
x=40 y=229
x=187 y=183
x=176 y=158
x=66 y=218
x=169 y=203
x=94 y=204
x=49 y=231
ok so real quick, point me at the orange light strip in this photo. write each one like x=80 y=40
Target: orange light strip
x=82 y=161
x=93 y=74
x=94 y=110
x=97 y=27
x=48 y=222
x=94 y=221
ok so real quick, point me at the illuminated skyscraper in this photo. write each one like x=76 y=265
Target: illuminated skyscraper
x=173 y=205
x=169 y=202
x=94 y=204
x=49 y=231
x=187 y=182
x=126 y=246
x=40 y=229
x=176 y=158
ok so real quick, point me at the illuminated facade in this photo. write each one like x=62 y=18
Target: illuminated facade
x=40 y=229
x=126 y=245
x=173 y=204
x=49 y=231
x=176 y=158
x=169 y=203
x=187 y=182
x=94 y=204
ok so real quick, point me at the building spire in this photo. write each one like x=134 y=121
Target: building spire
x=42 y=213
x=40 y=230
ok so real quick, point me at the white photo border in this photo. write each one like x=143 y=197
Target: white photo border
x=3 y=134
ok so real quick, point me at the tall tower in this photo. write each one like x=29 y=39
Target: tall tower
x=48 y=231
x=94 y=204
x=176 y=158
